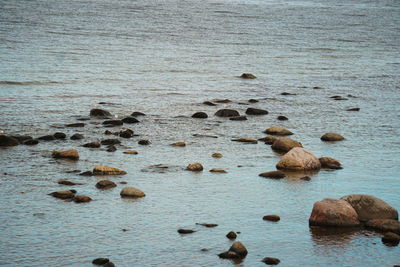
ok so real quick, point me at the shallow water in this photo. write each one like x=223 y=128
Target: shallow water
x=59 y=59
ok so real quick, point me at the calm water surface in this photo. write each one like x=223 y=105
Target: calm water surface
x=59 y=59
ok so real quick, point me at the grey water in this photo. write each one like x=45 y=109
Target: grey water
x=59 y=59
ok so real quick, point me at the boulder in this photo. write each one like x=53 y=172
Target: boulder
x=387 y=225
x=200 y=115
x=245 y=140
x=194 y=167
x=299 y=159
x=180 y=144
x=128 y=133
x=8 y=141
x=104 y=170
x=285 y=144
x=227 y=113
x=256 y=111
x=94 y=144
x=273 y=174
x=282 y=118
x=67 y=154
x=109 y=264
x=100 y=261
x=137 y=114
x=144 y=142
x=105 y=184
x=100 y=113
x=217 y=155
x=391 y=238
x=132 y=192
x=75 y=125
x=130 y=120
x=330 y=163
x=82 y=199
x=238 y=118
x=247 y=76
x=217 y=170
x=278 y=130
x=333 y=212
x=108 y=142
x=113 y=123
x=271 y=261
x=231 y=235
x=239 y=249
x=63 y=194
x=76 y=136
x=369 y=207
x=272 y=218
x=332 y=137
x=229 y=255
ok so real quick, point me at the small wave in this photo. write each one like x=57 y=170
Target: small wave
x=28 y=83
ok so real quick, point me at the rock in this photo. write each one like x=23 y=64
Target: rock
x=82 y=199
x=353 y=109
x=271 y=261
x=21 y=138
x=47 y=138
x=227 y=113
x=200 y=115
x=186 y=231
x=285 y=144
x=105 y=184
x=273 y=174
x=272 y=218
x=269 y=140
x=131 y=152
x=298 y=159
x=208 y=103
x=194 y=167
x=253 y=101
x=64 y=194
x=128 y=133
x=144 y=142
x=217 y=170
x=338 y=97
x=66 y=182
x=245 y=140
x=256 y=111
x=278 y=130
x=123 y=182
x=306 y=178
x=108 y=142
x=208 y=225
x=100 y=261
x=109 y=264
x=87 y=173
x=100 y=113
x=333 y=212
x=222 y=101
x=94 y=144
x=217 y=155
x=112 y=123
x=387 y=225
x=238 y=118
x=130 y=120
x=111 y=148
x=8 y=141
x=76 y=136
x=282 y=118
x=104 y=170
x=31 y=142
x=231 y=235
x=247 y=76
x=180 y=144
x=137 y=114
x=132 y=192
x=369 y=207
x=286 y=93
x=205 y=135
x=229 y=255
x=67 y=154
x=330 y=163
x=75 y=125
x=391 y=238
x=332 y=137
x=239 y=249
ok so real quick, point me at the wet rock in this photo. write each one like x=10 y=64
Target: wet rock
x=137 y=114
x=128 y=133
x=123 y=182
x=231 y=235
x=272 y=218
x=332 y=137
x=353 y=109
x=105 y=170
x=144 y=142
x=194 y=167
x=227 y=113
x=186 y=231
x=306 y=178
x=8 y=141
x=105 y=184
x=59 y=135
x=66 y=182
x=269 y=140
x=238 y=118
x=387 y=225
x=76 y=136
x=229 y=255
x=31 y=142
x=273 y=174
x=109 y=264
x=111 y=148
x=338 y=97
x=200 y=115
x=100 y=113
x=75 y=125
x=131 y=152
x=256 y=111
x=63 y=194
x=67 y=154
x=47 y=138
x=208 y=225
x=286 y=93
x=205 y=135
x=299 y=159
x=239 y=249
x=21 y=138
x=82 y=199
x=208 y=103
x=330 y=163
x=247 y=76
x=113 y=123
x=285 y=144
x=130 y=120
x=391 y=239
x=271 y=261
x=100 y=261
x=278 y=130
x=108 y=132
x=217 y=155
x=333 y=212
x=253 y=101
x=282 y=118
x=369 y=207
x=217 y=170
x=108 y=142
x=223 y=101
x=180 y=144
x=92 y=144
x=87 y=173
x=132 y=192
x=245 y=140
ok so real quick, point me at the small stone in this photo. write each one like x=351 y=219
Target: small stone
x=195 y=167
x=391 y=238
x=223 y=101
x=239 y=249
x=217 y=155
x=330 y=163
x=92 y=144
x=144 y=142
x=131 y=152
x=100 y=261
x=238 y=118
x=248 y=76
x=186 y=231
x=273 y=174
x=59 y=135
x=71 y=154
x=286 y=93
x=87 y=173
x=217 y=170
x=208 y=225
x=113 y=123
x=66 y=182
x=208 y=103
x=75 y=125
x=245 y=140
x=128 y=133
x=105 y=170
x=272 y=218
x=108 y=142
x=82 y=199
x=179 y=144
x=31 y=142
x=228 y=255
x=200 y=115
x=353 y=109
x=76 y=136
x=130 y=120
x=123 y=182
x=111 y=148
x=253 y=101
x=101 y=113
x=282 y=118
x=278 y=130
x=227 y=113
x=306 y=178
x=332 y=137
x=231 y=235
x=271 y=261
x=137 y=114
x=132 y=192
x=47 y=138
x=105 y=184
x=256 y=111
x=63 y=194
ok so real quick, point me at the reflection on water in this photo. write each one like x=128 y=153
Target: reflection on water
x=333 y=236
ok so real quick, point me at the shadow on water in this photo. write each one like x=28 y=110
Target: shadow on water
x=333 y=235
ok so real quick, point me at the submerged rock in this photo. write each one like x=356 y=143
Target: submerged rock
x=76 y=136
x=75 y=125
x=59 y=135
x=200 y=115
x=256 y=111
x=245 y=140
x=94 y=144
x=391 y=238
x=332 y=137
x=217 y=170
x=238 y=118
x=208 y=103
x=278 y=130
x=137 y=114
x=227 y=113
x=194 y=167
x=108 y=142
x=186 y=231
x=63 y=194
x=82 y=199
x=299 y=159
x=282 y=118
x=271 y=261
x=208 y=225
x=100 y=261
x=113 y=123
x=131 y=152
x=144 y=142
x=100 y=113
x=8 y=141
x=272 y=218
x=273 y=174
x=47 y=138
x=105 y=184
x=128 y=133
x=31 y=142
x=67 y=154
x=217 y=155
x=104 y=170
x=179 y=144
x=239 y=249
x=269 y=140
x=111 y=148
x=130 y=120
x=248 y=76
x=330 y=163
x=231 y=235
x=66 y=182
x=387 y=225
x=132 y=192
x=353 y=109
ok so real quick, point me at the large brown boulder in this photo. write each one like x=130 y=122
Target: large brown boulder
x=285 y=144
x=298 y=159
x=71 y=154
x=384 y=225
x=330 y=163
x=104 y=170
x=369 y=207
x=332 y=137
x=333 y=212
x=227 y=113
x=278 y=130
x=132 y=192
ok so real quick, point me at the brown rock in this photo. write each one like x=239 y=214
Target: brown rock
x=144 y=142
x=278 y=130
x=195 y=167
x=105 y=184
x=388 y=225
x=332 y=137
x=180 y=144
x=285 y=144
x=391 y=238
x=269 y=140
x=298 y=159
x=132 y=192
x=239 y=249
x=271 y=261
x=66 y=182
x=330 y=163
x=228 y=255
x=101 y=113
x=218 y=170
x=82 y=199
x=208 y=103
x=200 y=115
x=63 y=194
x=67 y=154
x=245 y=140
x=256 y=111
x=109 y=142
x=73 y=125
x=8 y=140
x=227 y=113
x=186 y=231
x=248 y=76
x=100 y=261
x=333 y=212
x=272 y=218
x=92 y=145
x=273 y=174
x=104 y=170
x=217 y=155
x=238 y=118
x=131 y=152
x=231 y=235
